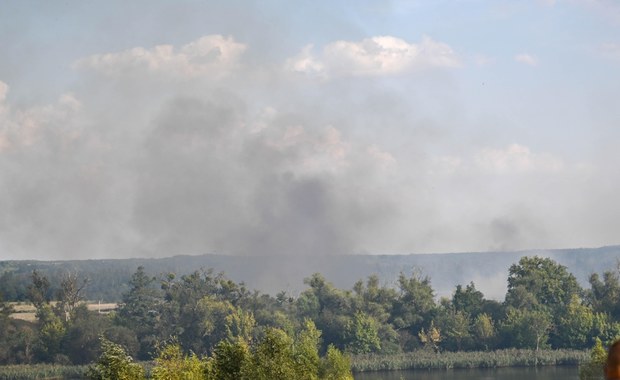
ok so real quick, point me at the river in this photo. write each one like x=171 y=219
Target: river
x=541 y=373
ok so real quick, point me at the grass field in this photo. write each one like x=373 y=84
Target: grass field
x=26 y=311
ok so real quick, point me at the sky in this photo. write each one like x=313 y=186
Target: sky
x=157 y=128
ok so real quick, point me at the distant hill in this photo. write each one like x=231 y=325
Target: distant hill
x=270 y=274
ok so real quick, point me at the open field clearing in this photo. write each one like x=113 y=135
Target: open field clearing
x=26 y=311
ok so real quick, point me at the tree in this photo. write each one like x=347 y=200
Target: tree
x=70 y=294
x=38 y=290
x=306 y=352
x=455 y=325
x=362 y=333
x=230 y=359
x=139 y=311
x=50 y=334
x=550 y=283
x=483 y=329
x=432 y=337
x=115 y=364
x=7 y=331
x=80 y=342
x=172 y=364
x=413 y=308
x=329 y=308
x=272 y=358
x=604 y=296
x=335 y=365
x=575 y=325
x=593 y=368
x=415 y=303
x=524 y=328
x=470 y=301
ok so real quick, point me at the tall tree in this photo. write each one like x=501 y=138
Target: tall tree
x=550 y=283
x=483 y=330
x=139 y=310
x=415 y=302
x=604 y=295
x=469 y=300
x=70 y=294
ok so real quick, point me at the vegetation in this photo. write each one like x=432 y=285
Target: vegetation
x=215 y=325
x=427 y=359
x=593 y=368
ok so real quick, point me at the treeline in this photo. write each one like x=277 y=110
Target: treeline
x=544 y=307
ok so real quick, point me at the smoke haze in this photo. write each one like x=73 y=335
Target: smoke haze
x=242 y=131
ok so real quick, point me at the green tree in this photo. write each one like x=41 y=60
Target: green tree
x=335 y=365
x=469 y=300
x=51 y=331
x=306 y=352
x=139 y=311
x=604 y=296
x=115 y=364
x=80 y=342
x=8 y=332
x=38 y=290
x=172 y=364
x=363 y=336
x=456 y=327
x=575 y=325
x=593 y=368
x=527 y=328
x=272 y=358
x=550 y=283
x=483 y=329
x=230 y=359
x=415 y=303
x=329 y=308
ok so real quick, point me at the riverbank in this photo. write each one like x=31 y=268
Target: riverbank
x=418 y=360
x=425 y=359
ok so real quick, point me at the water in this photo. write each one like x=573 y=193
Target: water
x=542 y=373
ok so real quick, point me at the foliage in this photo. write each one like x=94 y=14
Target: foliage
x=229 y=359
x=42 y=371
x=212 y=316
x=336 y=366
x=172 y=364
x=432 y=337
x=362 y=333
x=428 y=359
x=549 y=283
x=593 y=368
x=138 y=311
x=483 y=330
x=527 y=328
x=115 y=364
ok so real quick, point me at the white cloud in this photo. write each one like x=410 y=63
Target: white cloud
x=305 y=62
x=22 y=127
x=516 y=158
x=213 y=54
x=526 y=59
x=381 y=55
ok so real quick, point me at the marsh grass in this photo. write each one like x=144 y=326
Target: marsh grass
x=42 y=371
x=425 y=359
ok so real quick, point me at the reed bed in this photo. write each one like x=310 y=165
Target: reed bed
x=42 y=371
x=425 y=360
